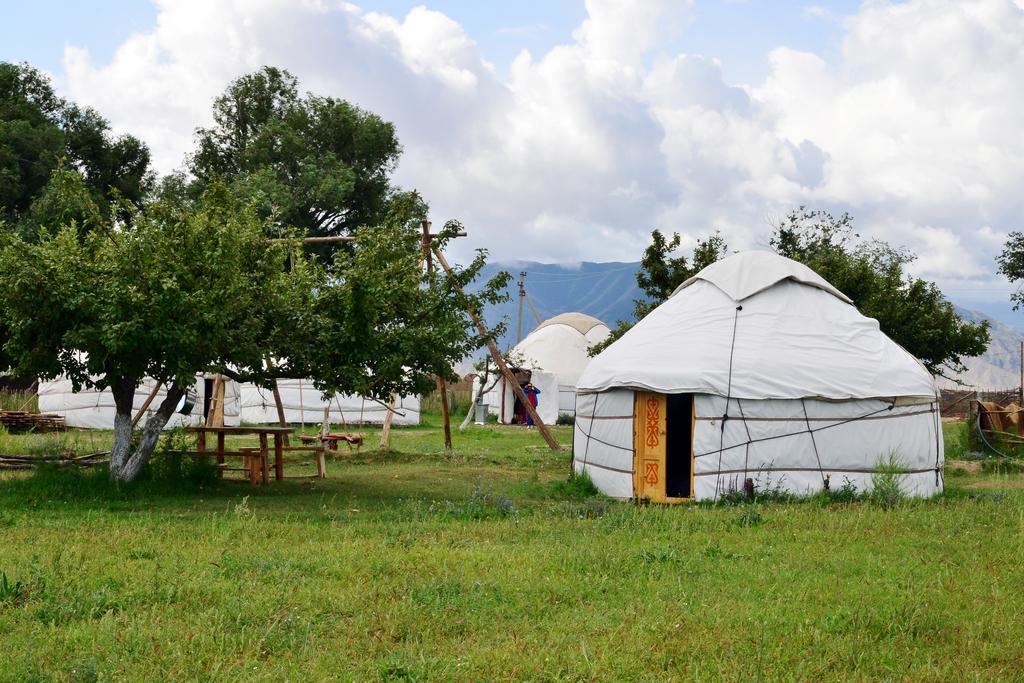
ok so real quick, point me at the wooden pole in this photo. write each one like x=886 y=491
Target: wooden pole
x=442 y=387
x=500 y=362
x=522 y=295
x=385 y=434
x=325 y=426
x=145 y=406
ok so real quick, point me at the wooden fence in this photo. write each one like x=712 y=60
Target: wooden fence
x=956 y=402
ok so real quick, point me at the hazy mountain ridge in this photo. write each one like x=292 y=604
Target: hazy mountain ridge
x=607 y=290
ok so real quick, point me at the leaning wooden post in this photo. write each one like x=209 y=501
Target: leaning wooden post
x=215 y=415
x=385 y=434
x=500 y=362
x=145 y=406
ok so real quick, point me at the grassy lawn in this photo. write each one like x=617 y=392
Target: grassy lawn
x=484 y=564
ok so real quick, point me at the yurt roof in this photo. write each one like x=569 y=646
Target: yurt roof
x=759 y=326
x=581 y=322
x=743 y=275
x=560 y=345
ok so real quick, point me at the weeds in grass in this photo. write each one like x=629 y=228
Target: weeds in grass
x=578 y=485
x=479 y=505
x=885 y=481
x=19 y=400
x=12 y=593
x=172 y=466
x=1002 y=466
x=750 y=516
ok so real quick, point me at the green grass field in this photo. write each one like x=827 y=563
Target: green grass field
x=485 y=564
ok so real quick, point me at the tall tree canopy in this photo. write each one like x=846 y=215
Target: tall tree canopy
x=321 y=163
x=38 y=130
x=181 y=290
x=911 y=310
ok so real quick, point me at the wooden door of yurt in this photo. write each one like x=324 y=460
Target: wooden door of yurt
x=663 y=447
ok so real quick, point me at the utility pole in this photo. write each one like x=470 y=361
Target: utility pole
x=522 y=295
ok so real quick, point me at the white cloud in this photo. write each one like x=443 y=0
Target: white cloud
x=581 y=150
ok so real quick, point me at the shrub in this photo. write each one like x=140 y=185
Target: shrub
x=172 y=465
x=578 y=485
x=565 y=419
x=885 y=481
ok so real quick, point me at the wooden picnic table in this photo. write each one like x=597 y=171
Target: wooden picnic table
x=264 y=434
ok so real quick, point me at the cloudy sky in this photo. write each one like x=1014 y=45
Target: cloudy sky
x=565 y=130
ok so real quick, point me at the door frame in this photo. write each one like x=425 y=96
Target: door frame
x=649 y=453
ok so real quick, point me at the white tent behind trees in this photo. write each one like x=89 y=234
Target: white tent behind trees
x=304 y=403
x=92 y=409
x=755 y=368
x=552 y=357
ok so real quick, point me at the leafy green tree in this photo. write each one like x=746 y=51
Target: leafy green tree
x=181 y=290
x=911 y=310
x=172 y=294
x=38 y=129
x=320 y=163
x=661 y=273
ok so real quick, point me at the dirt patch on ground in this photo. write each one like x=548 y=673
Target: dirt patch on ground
x=969 y=466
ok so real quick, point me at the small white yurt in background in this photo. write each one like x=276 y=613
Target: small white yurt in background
x=91 y=409
x=755 y=368
x=552 y=357
x=303 y=403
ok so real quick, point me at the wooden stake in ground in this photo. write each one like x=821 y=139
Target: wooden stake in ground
x=442 y=388
x=500 y=362
x=385 y=434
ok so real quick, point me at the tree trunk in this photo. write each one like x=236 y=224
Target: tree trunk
x=125 y=464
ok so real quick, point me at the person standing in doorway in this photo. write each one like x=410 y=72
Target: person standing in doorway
x=532 y=393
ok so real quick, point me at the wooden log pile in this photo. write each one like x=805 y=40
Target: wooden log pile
x=21 y=421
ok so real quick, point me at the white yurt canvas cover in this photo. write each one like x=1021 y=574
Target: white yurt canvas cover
x=755 y=368
x=303 y=403
x=91 y=409
x=555 y=353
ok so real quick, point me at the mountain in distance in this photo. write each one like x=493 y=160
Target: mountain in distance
x=999 y=366
x=607 y=290
x=603 y=290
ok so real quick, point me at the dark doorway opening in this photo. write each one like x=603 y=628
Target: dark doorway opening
x=679 y=446
x=207 y=390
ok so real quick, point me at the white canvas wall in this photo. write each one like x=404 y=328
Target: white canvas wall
x=91 y=409
x=769 y=442
x=303 y=403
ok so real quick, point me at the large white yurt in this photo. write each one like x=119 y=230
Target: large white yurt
x=304 y=403
x=755 y=368
x=91 y=409
x=552 y=358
